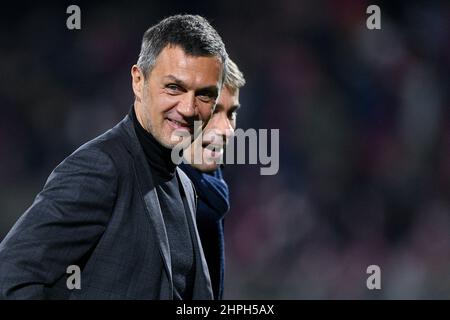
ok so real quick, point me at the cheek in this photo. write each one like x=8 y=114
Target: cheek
x=212 y=125
x=163 y=103
x=205 y=111
x=208 y=134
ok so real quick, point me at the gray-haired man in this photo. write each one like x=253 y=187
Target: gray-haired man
x=118 y=208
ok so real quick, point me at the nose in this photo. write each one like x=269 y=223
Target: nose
x=224 y=127
x=187 y=107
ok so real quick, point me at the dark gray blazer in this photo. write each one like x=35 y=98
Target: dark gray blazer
x=98 y=210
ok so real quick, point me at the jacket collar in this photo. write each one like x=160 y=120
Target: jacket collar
x=202 y=286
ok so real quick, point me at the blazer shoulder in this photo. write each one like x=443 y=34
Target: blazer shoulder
x=114 y=144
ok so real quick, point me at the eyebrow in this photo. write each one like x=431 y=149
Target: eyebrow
x=174 y=79
x=232 y=108
x=213 y=90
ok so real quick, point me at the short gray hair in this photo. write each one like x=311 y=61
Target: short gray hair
x=192 y=33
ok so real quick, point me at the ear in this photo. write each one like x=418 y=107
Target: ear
x=137 y=79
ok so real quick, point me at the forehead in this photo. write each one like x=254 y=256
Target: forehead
x=193 y=70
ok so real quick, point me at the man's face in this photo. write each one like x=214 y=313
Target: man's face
x=217 y=133
x=179 y=90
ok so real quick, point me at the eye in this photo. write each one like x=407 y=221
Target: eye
x=206 y=95
x=173 y=88
x=207 y=98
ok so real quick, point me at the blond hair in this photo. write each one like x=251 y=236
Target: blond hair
x=234 y=78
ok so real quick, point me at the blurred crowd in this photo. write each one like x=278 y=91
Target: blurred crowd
x=364 y=119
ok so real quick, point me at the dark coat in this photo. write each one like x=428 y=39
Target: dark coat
x=98 y=210
x=213 y=204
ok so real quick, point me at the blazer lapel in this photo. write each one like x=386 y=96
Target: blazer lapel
x=150 y=198
x=202 y=284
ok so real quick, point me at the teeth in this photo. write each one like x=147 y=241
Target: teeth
x=214 y=148
x=178 y=123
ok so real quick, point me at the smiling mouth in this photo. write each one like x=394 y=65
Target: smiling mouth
x=212 y=146
x=213 y=152
x=177 y=125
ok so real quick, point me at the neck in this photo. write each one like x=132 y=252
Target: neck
x=158 y=156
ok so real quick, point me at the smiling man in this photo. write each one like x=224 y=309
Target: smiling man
x=118 y=208
x=205 y=155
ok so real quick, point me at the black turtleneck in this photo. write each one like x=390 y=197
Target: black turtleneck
x=170 y=197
